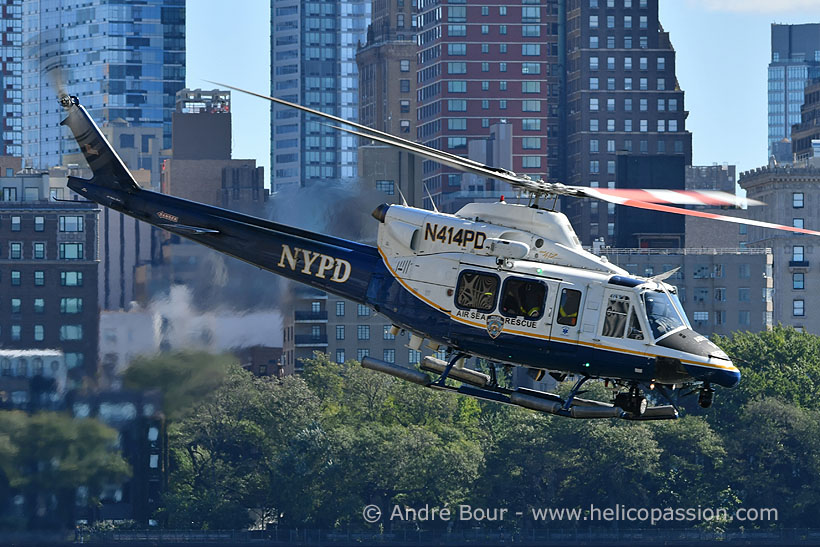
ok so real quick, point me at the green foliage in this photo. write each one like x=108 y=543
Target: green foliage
x=782 y=363
x=184 y=378
x=52 y=454
x=314 y=450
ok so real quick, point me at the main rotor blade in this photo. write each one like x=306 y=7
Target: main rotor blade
x=435 y=155
x=387 y=138
x=713 y=216
x=674 y=197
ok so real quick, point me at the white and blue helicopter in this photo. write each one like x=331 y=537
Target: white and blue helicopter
x=504 y=282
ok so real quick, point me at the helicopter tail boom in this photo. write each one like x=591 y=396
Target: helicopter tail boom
x=328 y=263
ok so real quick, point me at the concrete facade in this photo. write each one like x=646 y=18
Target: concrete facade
x=791 y=194
x=722 y=290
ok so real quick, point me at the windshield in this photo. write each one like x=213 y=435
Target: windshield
x=663 y=317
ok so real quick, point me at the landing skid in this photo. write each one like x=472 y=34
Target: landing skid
x=478 y=385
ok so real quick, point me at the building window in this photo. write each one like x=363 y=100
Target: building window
x=15 y=224
x=797 y=222
x=388 y=334
x=593 y=84
x=71 y=251
x=386 y=186
x=315 y=307
x=363 y=332
x=413 y=356
x=362 y=353
x=39 y=333
x=798 y=281
x=39 y=224
x=16 y=250
x=798 y=308
x=39 y=305
x=340 y=332
x=15 y=278
x=404 y=65
x=39 y=278
x=797 y=200
x=16 y=305
x=340 y=356
x=389 y=355
x=404 y=86
x=39 y=250
x=593 y=104
x=71 y=305
x=743 y=294
x=797 y=253
x=744 y=318
x=71 y=223
x=75 y=279
x=701 y=316
x=593 y=21
x=71 y=332
x=15 y=332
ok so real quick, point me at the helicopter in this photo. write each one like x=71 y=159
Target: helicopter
x=507 y=283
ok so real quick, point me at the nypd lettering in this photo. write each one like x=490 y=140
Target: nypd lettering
x=315 y=264
x=451 y=236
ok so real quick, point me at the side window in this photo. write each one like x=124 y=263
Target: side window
x=616 y=313
x=635 y=331
x=522 y=298
x=568 y=310
x=476 y=291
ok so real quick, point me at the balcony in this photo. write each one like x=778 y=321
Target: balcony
x=310 y=341
x=798 y=263
x=310 y=316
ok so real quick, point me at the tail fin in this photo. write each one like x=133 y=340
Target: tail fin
x=109 y=170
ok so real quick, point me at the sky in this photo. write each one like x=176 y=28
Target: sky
x=723 y=50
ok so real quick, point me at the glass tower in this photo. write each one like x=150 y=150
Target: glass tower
x=124 y=60
x=795 y=62
x=313 y=63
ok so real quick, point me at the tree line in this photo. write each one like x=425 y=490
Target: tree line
x=313 y=450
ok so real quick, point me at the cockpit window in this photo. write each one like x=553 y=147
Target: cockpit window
x=663 y=318
x=523 y=298
x=634 y=331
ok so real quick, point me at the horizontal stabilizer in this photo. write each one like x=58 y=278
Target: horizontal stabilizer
x=188 y=229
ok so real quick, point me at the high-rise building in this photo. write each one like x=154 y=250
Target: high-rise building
x=11 y=72
x=481 y=65
x=622 y=96
x=125 y=61
x=795 y=61
x=313 y=63
x=805 y=134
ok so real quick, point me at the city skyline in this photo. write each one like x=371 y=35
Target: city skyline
x=723 y=130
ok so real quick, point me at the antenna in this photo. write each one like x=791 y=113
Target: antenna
x=433 y=203
x=403 y=201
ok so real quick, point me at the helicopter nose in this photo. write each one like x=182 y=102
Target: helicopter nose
x=712 y=364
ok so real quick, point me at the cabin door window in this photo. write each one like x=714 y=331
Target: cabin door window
x=523 y=298
x=477 y=291
x=568 y=309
